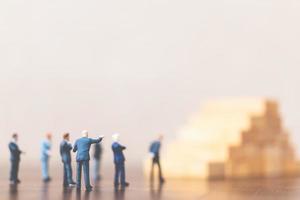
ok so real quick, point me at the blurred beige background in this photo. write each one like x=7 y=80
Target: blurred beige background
x=139 y=67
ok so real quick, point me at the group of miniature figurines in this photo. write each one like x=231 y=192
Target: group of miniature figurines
x=82 y=147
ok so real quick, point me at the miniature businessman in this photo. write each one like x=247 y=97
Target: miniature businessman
x=82 y=147
x=45 y=156
x=15 y=153
x=65 y=152
x=97 y=159
x=119 y=161
x=154 y=150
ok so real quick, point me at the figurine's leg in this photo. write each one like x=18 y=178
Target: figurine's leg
x=17 y=171
x=159 y=170
x=86 y=169
x=12 y=171
x=152 y=170
x=161 y=178
x=122 y=172
x=44 y=173
x=97 y=168
x=116 y=180
x=65 y=182
x=79 y=166
x=69 y=173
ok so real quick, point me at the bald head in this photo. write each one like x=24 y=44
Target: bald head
x=160 y=137
x=85 y=133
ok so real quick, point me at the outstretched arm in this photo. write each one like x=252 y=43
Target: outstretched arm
x=122 y=147
x=75 y=147
x=93 y=141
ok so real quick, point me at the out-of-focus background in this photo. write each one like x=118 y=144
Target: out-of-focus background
x=139 y=67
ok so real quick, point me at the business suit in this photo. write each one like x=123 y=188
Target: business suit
x=82 y=147
x=45 y=156
x=97 y=159
x=119 y=161
x=154 y=149
x=15 y=153
x=65 y=152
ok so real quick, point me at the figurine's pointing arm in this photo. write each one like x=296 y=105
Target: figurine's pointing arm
x=97 y=140
x=75 y=147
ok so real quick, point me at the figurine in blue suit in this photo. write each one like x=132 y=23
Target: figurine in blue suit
x=154 y=150
x=82 y=147
x=45 y=156
x=15 y=153
x=119 y=161
x=65 y=152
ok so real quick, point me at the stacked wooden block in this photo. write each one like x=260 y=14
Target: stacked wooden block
x=231 y=138
x=265 y=150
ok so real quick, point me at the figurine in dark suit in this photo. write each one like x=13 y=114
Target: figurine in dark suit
x=154 y=150
x=65 y=152
x=119 y=161
x=82 y=147
x=97 y=159
x=15 y=153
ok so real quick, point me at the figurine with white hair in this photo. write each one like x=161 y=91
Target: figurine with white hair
x=119 y=161
x=82 y=147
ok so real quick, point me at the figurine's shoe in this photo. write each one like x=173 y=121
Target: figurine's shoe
x=88 y=189
x=13 y=182
x=98 y=178
x=72 y=185
x=116 y=184
x=162 y=180
x=126 y=184
x=48 y=179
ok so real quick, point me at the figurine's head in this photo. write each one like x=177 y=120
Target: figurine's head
x=160 y=137
x=66 y=136
x=85 y=133
x=15 y=136
x=115 y=137
x=49 y=136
